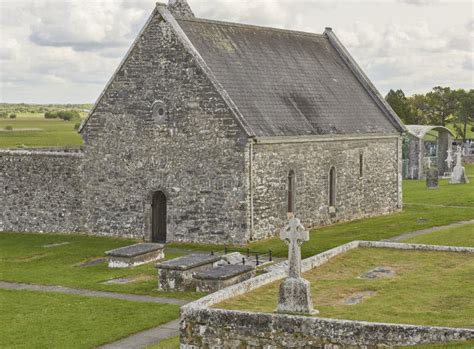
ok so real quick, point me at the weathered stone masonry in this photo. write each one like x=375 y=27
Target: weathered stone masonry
x=200 y=165
x=375 y=192
x=41 y=191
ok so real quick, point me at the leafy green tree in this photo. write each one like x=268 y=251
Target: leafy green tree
x=440 y=105
x=417 y=104
x=465 y=112
x=399 y=103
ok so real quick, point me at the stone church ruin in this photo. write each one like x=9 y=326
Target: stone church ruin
x=211 y=131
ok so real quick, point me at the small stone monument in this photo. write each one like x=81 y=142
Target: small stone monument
x=295 y=292
x=428 y=162
x=432 y=178
x=459 y=173
x=449 y=159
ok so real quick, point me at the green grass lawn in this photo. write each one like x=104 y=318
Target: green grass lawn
x=429 y=288
x=469 y=134
x=415 y=193
x=50 y=320
x=33 y=130
x=23 y=258
x=462 y=236
x=170 y=343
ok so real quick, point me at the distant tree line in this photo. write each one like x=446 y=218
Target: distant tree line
x=442 y=106
x=66 y=115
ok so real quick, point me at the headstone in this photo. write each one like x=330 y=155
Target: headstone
x=295 y=292
x=449 y=159
x=432 y=178
x=428 y=163
x=459 y=173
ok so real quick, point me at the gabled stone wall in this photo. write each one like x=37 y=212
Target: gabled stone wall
x=41 y=191
x=197 y=155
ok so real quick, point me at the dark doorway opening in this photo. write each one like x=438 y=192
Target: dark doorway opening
x=159 y=217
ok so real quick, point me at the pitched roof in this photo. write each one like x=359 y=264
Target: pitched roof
x=287 y=83
x=279 y=82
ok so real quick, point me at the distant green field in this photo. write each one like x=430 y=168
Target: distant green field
x=33 y=130
x=469 y=135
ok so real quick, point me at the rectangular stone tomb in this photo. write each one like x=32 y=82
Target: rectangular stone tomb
x=220 y=277
x=177 y=274
x=133 y=255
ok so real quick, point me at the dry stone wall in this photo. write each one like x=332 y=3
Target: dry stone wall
x=41 y=191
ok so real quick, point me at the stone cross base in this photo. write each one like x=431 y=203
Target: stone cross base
x=295 y=297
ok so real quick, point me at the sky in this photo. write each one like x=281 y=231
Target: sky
x=65 y=51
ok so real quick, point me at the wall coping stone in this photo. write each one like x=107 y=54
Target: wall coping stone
x=41 y=151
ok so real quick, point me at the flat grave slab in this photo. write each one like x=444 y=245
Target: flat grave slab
x=177 y=274
x=379 y=272
x=134 y=255
x=222 y=276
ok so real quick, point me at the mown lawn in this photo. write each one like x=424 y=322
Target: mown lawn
x=429 y=288
x=34 y=131
x=24 y=258
x=51 y=320
x=462 y=236
x=170 y=343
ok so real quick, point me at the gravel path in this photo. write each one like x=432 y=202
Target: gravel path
x=409 y=235
x=90 y=293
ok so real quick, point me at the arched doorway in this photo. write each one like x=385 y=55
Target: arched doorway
x=159 y=217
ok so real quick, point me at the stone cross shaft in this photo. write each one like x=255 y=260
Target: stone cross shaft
x=294 y=235
x=449 y=159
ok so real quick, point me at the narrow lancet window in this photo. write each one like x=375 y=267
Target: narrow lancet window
x=291 y=192
x=332 y=187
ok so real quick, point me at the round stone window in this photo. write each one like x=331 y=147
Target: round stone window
x=159 y=111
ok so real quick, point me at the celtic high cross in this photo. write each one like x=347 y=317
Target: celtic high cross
x=294 y=235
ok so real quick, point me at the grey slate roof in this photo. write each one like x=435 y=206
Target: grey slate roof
x=286 y=83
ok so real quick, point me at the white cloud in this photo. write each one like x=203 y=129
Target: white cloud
x=419 y=2
x=93 y=27
x=55 y=51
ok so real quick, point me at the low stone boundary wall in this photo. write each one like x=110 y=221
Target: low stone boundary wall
x=41 y=190
x=203 y=327
x=468 y=159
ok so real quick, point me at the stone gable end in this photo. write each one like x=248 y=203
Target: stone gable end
x=194 y=151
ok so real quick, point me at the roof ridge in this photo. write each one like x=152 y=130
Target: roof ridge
x=242 y=25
